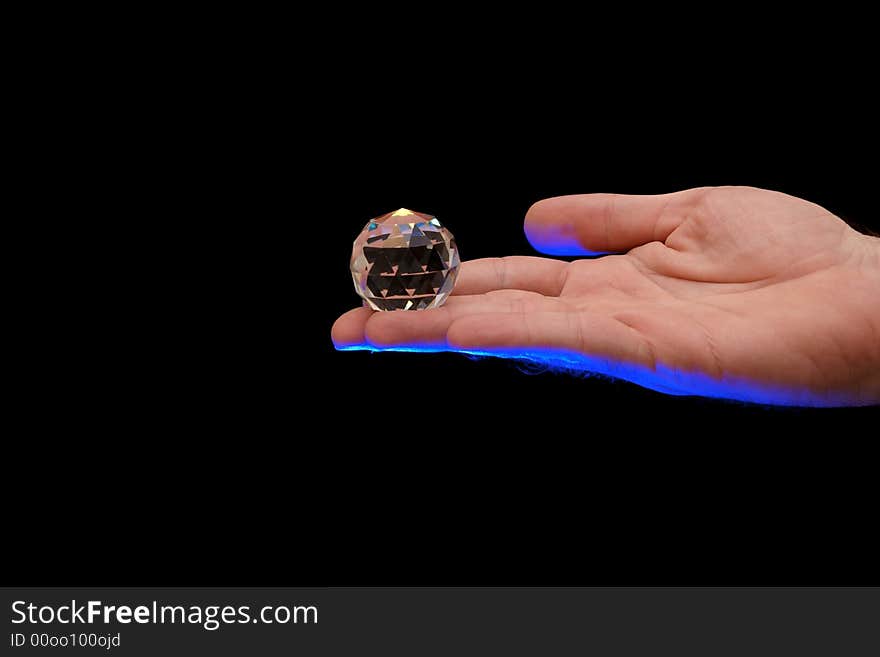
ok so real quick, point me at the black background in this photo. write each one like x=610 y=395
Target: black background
x=190 y=423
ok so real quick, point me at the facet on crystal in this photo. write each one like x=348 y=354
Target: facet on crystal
x=404 y=260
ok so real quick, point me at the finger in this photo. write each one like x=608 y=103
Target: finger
x=426 y=329
x=541 y=275
x=589 y=224
x=594 y=342
x=401 y=328
x=348 y=330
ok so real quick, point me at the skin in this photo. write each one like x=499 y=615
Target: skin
x=729 y=292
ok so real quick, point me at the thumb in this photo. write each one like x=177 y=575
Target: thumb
x=591 y=224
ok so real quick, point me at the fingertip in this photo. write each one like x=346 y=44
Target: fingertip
x=540 y=209
x=550 y=229
x=348 y=330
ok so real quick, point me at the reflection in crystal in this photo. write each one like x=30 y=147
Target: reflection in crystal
x=397 y=263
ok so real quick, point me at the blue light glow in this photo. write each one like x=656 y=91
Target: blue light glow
x=566 y=249
x=662 y=379
x=557 y=241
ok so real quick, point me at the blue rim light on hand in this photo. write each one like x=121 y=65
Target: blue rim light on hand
x=662 y=379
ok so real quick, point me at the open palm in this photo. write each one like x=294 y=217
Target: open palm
x=731 y=292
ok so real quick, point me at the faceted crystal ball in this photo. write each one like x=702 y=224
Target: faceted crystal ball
x=404 y=260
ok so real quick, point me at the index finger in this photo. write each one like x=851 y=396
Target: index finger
x=529 y=273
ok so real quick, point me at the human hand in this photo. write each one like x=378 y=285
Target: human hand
x=729 y=292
